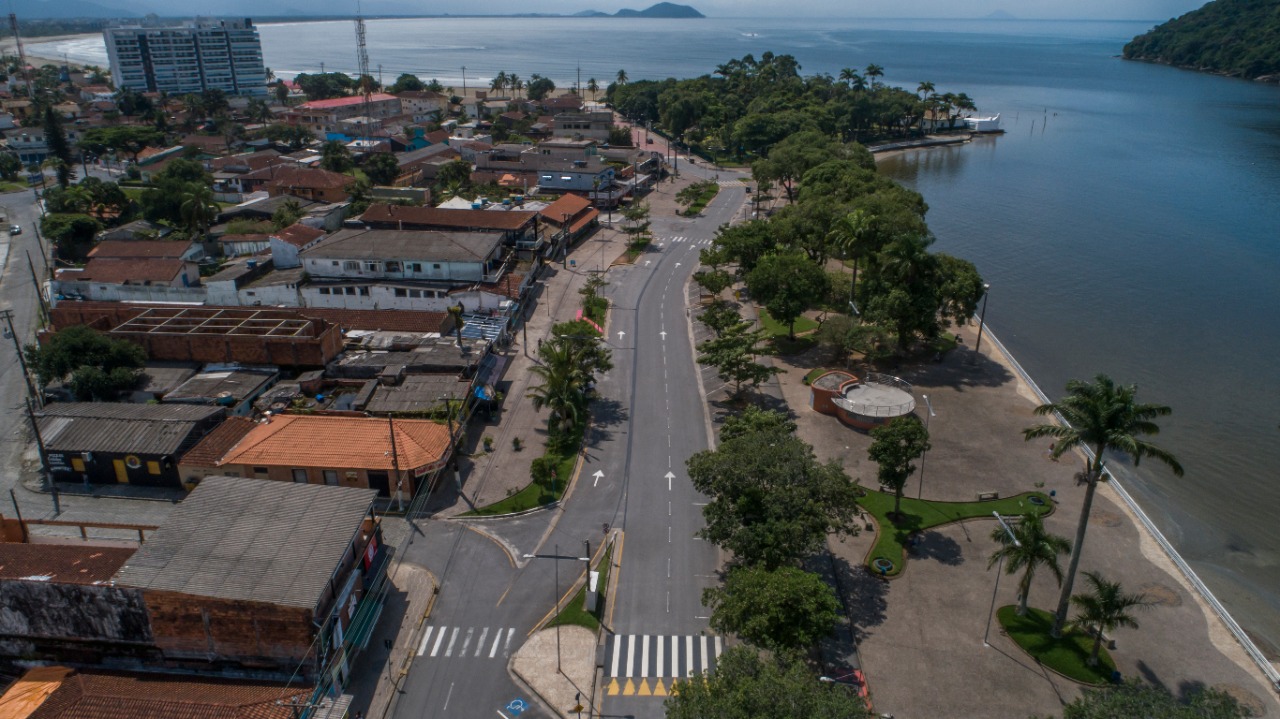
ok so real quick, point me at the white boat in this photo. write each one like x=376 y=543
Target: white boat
x=983 y=124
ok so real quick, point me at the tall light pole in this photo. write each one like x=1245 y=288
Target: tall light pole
x=925 y=454
x=999 y=570
x=555 y=601
x=982 y=322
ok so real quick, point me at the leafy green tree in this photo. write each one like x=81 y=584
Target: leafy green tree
x=287 y=214
x=902 y=290
x=98 y=366
x=1139 y=699
x=56 y=140
x=754 y=419
x=842 y=335
x=258 y=110
x=407 y=82
x=782 y=610
x=747 y=685
x=1036 y=547
x=771 y=502
x=1104 y=608
x=620 y=137
x=10 y=166
x=1102 y=417
x=382 y=168
x=790 y=158
x=131 y=139
x=960 y=290
x=455 y=175
x=636 y=223
x=336 y=157
x=104 y=197
x=72 y=234
x=720 y=316
x=568 y=363
x=733 y=353
x=295 y=136
x=326 y=85
x=281 y=92
x=539 y=87
x=745 y=244
x=894 y=445
x=713 y=281
x=787 y=284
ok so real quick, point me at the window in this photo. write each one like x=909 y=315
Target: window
x=335 y=263
x=364 y=291
x=323 y=290
x=393 y=266
x=401 y=292
x=153 y=468
x=260 y=471
x=351 y=265
x=300 y=476
x=349 y=290
x=435 y=266
x=371 y=265
x=416 y=294
x=417 y=267
x=331 y=477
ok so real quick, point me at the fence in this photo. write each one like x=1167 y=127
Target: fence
x=1203 y=590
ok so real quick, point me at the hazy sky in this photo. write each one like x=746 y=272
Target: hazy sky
x=1066 y=9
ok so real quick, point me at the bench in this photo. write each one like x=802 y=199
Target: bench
x=988 y=496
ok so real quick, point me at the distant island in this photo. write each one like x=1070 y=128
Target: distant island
x=661 y=10
x=1240 y=38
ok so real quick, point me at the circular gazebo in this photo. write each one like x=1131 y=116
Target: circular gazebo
x=863 y=403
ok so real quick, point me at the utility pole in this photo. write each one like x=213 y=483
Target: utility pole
x=44 y=459
x=43 y=308
x=7 y=316
x=395 y=464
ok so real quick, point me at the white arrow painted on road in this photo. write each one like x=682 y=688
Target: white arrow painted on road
x=597 y=475
x=620 y=334
x=677 y=264
x=670 y=477
x=646 y=263
x=664 y=335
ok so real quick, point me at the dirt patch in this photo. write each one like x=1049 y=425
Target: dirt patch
x=1250 y=701
x=1161 y=594
x=1104 y=518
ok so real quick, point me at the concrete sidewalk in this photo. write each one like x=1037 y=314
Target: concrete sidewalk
x=925 y=629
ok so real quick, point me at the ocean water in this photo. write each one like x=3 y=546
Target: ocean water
x=1127 y=221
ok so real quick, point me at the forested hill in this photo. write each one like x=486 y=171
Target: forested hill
x=1232 y=37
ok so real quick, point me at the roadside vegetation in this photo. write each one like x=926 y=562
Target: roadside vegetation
x=695 y=197
x=575 y=611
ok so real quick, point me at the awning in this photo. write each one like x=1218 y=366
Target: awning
x=587 y=218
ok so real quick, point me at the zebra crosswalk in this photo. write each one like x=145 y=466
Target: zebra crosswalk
x=656 y=661
x=681 y=240
x=466 y=642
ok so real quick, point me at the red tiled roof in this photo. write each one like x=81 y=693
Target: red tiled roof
x=437 y=137
x=116 y=271
x=139 y=249
x=568 y=204
x=64 y=564
x=424 y=217
x=345 y=101
x=299 y=235
x=305 y=177
x=215 y=445
x=64 y=693
x=295 y=440
x=375 y=320
x=507 y=286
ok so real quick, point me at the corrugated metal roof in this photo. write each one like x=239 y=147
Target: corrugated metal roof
x=121 y=428
x=252 y=540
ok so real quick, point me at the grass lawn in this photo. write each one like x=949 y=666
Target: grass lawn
x=533 y=495
x=1068 y=655
x=815 y=373
x=777 y=329
x=704 y=198
x=925 y=514
x=575 y=612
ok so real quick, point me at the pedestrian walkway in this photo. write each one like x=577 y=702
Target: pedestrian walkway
x=439 y=643
x=645 y=656
x=682 y=240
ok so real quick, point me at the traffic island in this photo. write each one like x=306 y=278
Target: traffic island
x=1067 y=655
x=558 y=665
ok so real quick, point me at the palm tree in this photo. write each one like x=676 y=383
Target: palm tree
x=622 y=77
x=849 y=235
x=1101 y=417
x=873 y=71
x=198 y=209
x=925 y=89
x=513 y=82
x=499 y=82
x=848 y=75
x=1104 y=608
x=1035 y=547
x=593 y=87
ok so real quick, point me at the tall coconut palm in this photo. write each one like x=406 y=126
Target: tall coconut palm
x=1102 y=417
x=1035 y=548
x=198 y=209
x=872 y=72
x=849 y=235
x=622 y=77
x=1104 y=608
x=593 y=87
x=848 y=75
x=499 y=82
x=925 y=89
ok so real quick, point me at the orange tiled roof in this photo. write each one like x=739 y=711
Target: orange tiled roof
x=341 y=442
x=138 y=271
x=378 y=320
x=567 y=204
x=64 y=693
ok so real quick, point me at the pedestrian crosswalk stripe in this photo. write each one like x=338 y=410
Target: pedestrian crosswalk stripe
x=661 y=657
x=440 y=642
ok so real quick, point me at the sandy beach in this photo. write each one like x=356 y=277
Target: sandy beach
x=9 y=47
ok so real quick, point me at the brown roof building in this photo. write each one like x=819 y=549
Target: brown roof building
x=515 y=225
x=59 y=692
x=308 y=183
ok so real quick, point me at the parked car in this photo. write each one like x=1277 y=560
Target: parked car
x=15 y=229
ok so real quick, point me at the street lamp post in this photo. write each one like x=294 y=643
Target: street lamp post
x=925 y=454
x=999 y=570
x=555 y=600
x=982 y=322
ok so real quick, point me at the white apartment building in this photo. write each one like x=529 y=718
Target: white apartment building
x=202 y=55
